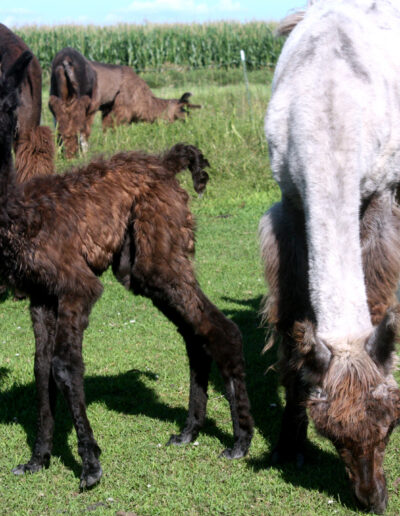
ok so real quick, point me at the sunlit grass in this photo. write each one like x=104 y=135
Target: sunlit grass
x=136 y=368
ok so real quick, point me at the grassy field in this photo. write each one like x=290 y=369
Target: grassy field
x=136 y=367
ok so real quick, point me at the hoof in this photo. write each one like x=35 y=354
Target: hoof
x=19 y=295
x=30 y=467
x=179 y=439
x=279 y=457
x=300 y=459
x=90 y=479
x=237 y=452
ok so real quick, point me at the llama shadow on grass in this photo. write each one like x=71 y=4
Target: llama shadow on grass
x=125 y=393
x=323 y=471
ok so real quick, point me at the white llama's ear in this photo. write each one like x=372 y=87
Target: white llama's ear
x=381 y=345
x=317 y=355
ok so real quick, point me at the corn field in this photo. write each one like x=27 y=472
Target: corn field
x=156 y=47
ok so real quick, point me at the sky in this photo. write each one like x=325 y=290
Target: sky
x=109 y=12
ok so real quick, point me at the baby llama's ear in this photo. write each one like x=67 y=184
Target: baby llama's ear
x=16 y=74
x=10 y=82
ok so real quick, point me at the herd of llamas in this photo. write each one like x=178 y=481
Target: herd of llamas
x=331 y=246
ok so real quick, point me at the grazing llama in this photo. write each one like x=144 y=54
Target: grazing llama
x=79 y=88
x=332 y=245
x=58 y=233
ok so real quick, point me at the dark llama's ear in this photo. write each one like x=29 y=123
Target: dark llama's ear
x=182 y=156
x=381 y=345
x=185 y=100
x=16 y=74
x=185 y=97
x=317 y=355
x=197 y=163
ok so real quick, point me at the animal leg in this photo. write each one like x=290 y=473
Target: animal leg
x=67 y=367
x=85 y=134
x=223 y=342
x=200 y=364
x=284 y=250
x=155 y=262
x=107 y=119
x=83 y=143
x=208 y=333
x=44 y=326
x=121 y=109
x=294 y=425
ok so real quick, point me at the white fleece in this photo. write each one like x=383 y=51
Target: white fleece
x=333 y=128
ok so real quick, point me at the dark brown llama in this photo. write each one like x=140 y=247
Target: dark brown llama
x=33 y=143
x=364 y=411
x=60 y=232
x=79 y=88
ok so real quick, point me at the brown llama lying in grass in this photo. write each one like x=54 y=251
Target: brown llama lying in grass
x=79 y=88
x=33 y=143
x=302 y=362
x=58 y=233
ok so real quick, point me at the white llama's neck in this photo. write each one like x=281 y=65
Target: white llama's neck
x=337 y=286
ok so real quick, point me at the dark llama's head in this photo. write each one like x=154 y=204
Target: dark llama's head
x=71 y=120
x=355 y=402
x=10 y=83
x=179 y=109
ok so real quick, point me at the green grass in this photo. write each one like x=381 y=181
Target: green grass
x=136 y=369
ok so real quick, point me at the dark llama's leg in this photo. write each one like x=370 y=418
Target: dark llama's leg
x=160 y=268
x=293 y=433
x=121 y=109
x=88 y=125
x=287 y=271
x=107 y=120
x=67 y=366
x=223 y=342
x=43 y=316
x=207 y=332
x=200 y=365
x=107 y=116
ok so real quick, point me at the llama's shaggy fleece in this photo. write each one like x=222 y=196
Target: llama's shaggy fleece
x=60 y=232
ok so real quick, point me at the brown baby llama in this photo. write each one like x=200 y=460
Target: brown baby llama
x=58 y=233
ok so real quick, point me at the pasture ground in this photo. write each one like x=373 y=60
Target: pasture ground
x=136 y=368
